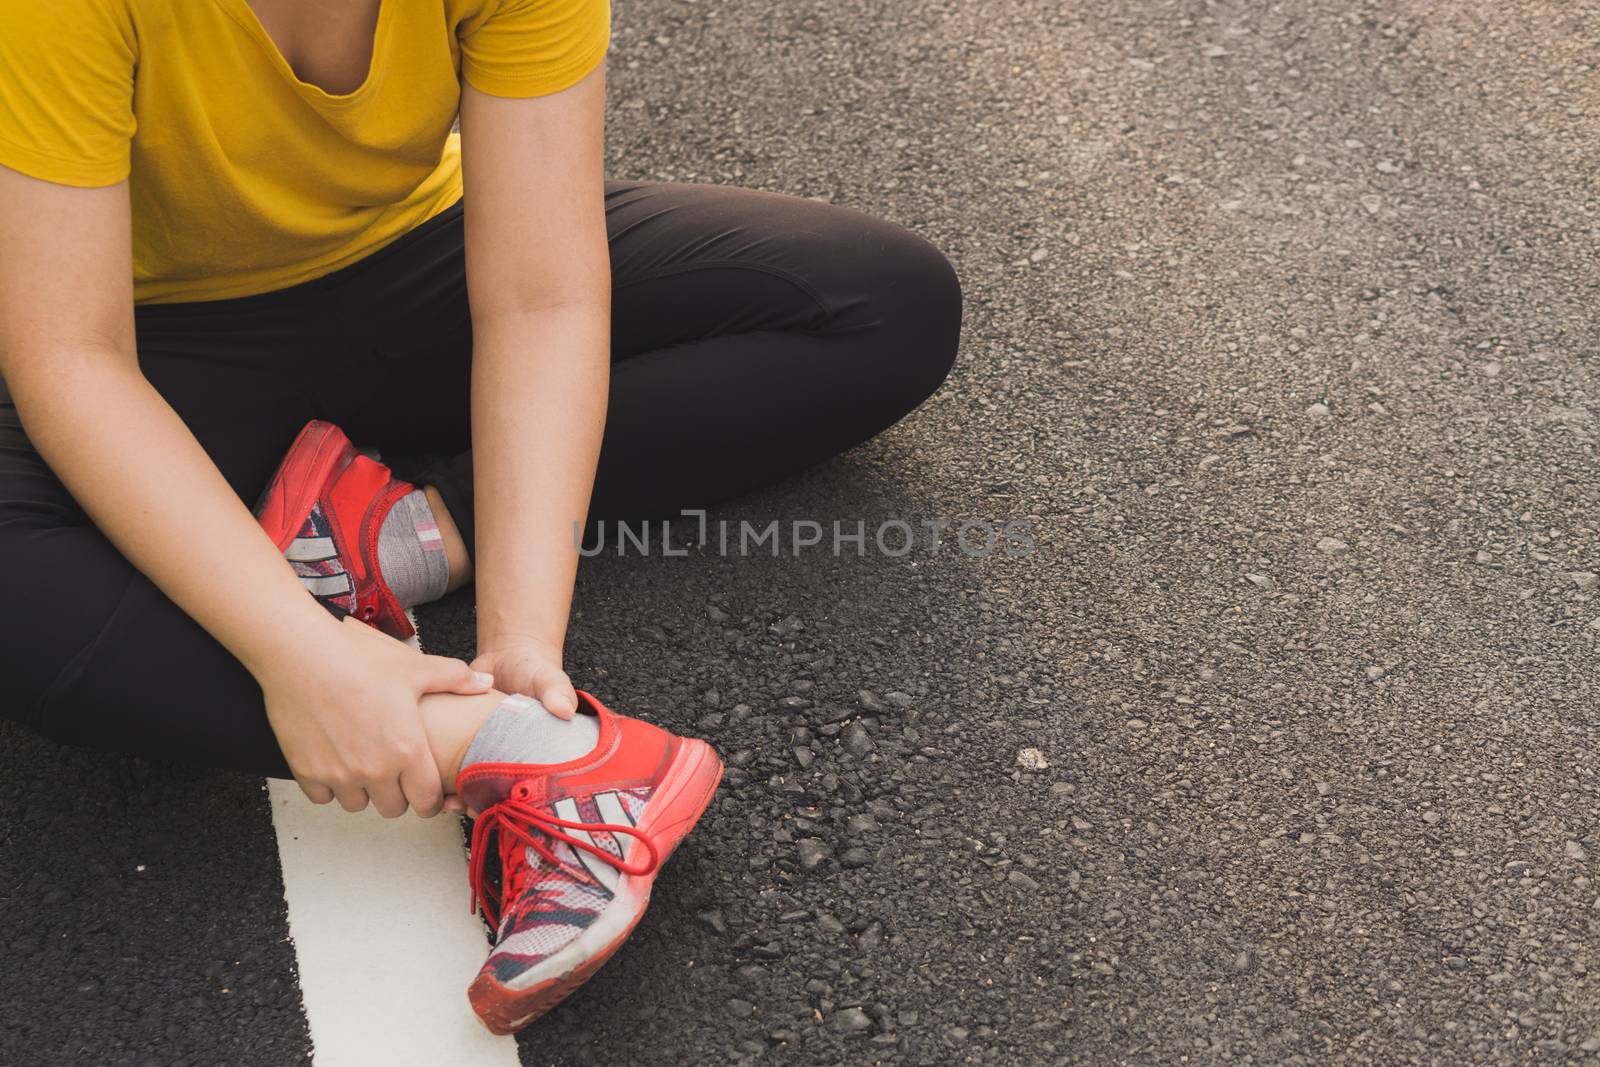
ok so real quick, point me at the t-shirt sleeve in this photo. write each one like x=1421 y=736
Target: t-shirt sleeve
x=535 y=47
x=66 y=90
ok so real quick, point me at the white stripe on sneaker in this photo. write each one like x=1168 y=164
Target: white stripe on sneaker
x=612 y=811
x=602 y=872
x=310 y=550
x=327 y=584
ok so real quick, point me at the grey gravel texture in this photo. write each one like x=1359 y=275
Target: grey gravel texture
x=1280 y=746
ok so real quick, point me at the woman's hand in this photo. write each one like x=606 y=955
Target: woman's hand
x=345 y=714
x=524 y=665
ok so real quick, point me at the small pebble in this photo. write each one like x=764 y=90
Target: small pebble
x=856 y=857
x=851 y=1021
x=857 y=741
x=1031 y=759
x=812 y=853
x=1021 y=880
x=787 y=626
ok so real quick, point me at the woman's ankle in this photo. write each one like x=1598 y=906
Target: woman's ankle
x=450 y=723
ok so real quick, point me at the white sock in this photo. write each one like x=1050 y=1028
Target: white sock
x=520 y=730
x=411 y=553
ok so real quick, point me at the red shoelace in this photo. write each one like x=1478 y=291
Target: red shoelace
x=518 y=823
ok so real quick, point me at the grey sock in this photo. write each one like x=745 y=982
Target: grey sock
x=411 y=553
x=521 y=731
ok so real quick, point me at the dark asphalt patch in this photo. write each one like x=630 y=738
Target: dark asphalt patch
x=141 y=915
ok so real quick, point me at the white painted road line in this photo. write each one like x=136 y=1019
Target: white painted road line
x=386 y=946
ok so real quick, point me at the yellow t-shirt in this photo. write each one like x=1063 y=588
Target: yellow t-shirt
x=242 y=178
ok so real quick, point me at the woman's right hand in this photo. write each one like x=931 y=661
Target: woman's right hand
x=345 y=714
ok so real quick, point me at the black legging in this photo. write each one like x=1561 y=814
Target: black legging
x=753 y=335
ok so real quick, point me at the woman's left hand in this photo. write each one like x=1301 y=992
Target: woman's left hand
x=524 y=665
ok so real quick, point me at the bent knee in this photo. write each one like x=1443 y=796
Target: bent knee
x=917 y=302
x=936 y=294
x=887 y=298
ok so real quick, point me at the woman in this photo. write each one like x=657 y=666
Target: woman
x=314 y=254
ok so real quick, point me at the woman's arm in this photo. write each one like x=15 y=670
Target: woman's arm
x=539 y=283
x=67 y=356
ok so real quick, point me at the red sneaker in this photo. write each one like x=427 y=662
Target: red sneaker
x=579 y=845
x=323 y=508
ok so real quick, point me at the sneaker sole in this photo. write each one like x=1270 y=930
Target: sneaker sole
x=292 y=491
x=686 y=791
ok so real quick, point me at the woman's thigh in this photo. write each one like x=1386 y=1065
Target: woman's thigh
x=692 y=261
x=689 y=262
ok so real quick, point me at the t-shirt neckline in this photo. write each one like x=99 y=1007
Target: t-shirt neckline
x=244 y=14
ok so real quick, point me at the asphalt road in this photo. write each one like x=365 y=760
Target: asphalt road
x=1280 y=747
